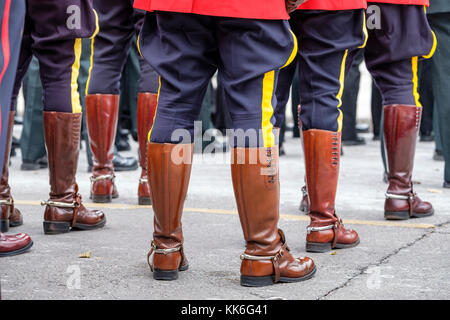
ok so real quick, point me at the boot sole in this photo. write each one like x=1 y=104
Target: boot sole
x=248 y=281
x=168 y=275
x=54 y=227
x=101 y=198
x=144 y=201
x=325 y=247
x=5 y=224
x=16 y=252
x=404 y=215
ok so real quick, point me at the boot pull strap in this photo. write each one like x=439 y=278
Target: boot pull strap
x=154 y=249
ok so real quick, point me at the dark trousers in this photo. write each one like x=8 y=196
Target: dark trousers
x=326 y=50
x=57 y=46
x=11 y=17
x=187 y=50
x=119 y=23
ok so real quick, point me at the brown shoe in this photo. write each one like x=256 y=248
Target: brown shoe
x=64 y=210
x=401 y=128
x=169 y=181
x=322 y=157
x=11 y=245
x=102 y=111
x=267 y=259
x=9 y=215
x=146 y=108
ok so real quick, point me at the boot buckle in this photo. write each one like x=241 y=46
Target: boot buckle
x=143 y=180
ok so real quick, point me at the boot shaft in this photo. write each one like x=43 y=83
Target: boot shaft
x=256 y=187
x=62 y=139
x=146 y=109
x=401 y=128
x=322 y=160
x=170 y=169
x=102 y=112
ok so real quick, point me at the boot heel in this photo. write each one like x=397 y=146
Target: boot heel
x=56 y=227
x=144 y=201
x=4 y=225
x=318 y=247
x=101 y=198
x=400 y=215
x=167 y=275
x=248 y=281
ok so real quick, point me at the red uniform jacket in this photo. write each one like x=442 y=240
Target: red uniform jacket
x=255 y=9
x=333 y=5
x=416 y=2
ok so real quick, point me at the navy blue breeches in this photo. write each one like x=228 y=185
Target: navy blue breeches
x=53 y=32
x=327 y=41
x=12 y=13
x=399 y=35
x=119 y=22
x=187 y=50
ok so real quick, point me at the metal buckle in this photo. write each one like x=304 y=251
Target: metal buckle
x=103 y=177
x=59 y=204
x=7 y=202
x=143 y=180
x=400 y=197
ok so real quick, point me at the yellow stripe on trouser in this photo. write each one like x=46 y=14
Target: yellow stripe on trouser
x=156 y=109
x=267 y=109
x=415 y=82
x=75 y=96
x=267 y=96
x=341 y=91
x=97 y=29
x=366 y=34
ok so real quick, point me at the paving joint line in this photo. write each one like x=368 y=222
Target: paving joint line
x=384 y=259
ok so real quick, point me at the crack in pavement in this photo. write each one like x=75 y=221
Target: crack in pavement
x=384 y=259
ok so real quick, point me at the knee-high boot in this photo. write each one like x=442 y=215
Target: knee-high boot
x=64 y=209
x=169 y=168
x=146 y=108
x=401 y=127
x=267 y=259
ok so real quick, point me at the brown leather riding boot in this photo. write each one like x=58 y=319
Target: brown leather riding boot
x=64 y=210
x=9 y=215
x=322 y=157
x=169 y=173
x=267 y=259
x=401 y=127
x=146 y=108
x=102 y=111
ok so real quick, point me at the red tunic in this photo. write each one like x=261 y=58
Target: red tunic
x=416 y=2
x=253 y=9
x=333 y=5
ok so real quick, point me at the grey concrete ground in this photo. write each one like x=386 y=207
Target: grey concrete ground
x=402 y=260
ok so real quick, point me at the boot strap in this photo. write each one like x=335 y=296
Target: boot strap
x=154 y=249
x=103 y=177
x=274 y=259
x=7 y=202
x=334 y=226
x=75 y=205
x=410 y=198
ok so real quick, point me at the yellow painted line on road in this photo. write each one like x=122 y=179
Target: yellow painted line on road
x=288 y=217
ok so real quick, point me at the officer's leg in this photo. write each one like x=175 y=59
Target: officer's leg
x=109 y=55
x=59 y=57
x=12 y=20
x=392 y=59
x=249 y=70
x=182 y=49
x=441 y=86
x=425 y=75
x=32 y=142
x=326 y=50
